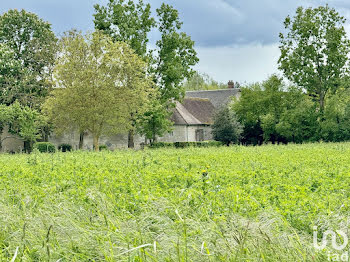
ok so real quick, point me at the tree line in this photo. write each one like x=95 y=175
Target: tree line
x=314 y=105
x=110 y=81
x=104 y=82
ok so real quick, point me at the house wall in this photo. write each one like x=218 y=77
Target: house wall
x=11 y=143
x=180 y=133
x=119 y=141
x=183 y=133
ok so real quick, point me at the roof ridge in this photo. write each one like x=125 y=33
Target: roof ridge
x=196 y=91
x=197 y=98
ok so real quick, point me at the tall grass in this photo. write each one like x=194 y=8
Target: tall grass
x=210 y=204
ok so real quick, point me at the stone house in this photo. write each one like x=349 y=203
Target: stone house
x=192 y=122
x=194 y=116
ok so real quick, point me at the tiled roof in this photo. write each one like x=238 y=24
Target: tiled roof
x=198 y=107
x=218 y=98
x=193 y=111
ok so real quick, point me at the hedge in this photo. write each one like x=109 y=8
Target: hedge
x=185 y=144
x=45 y=147
x=65 y=148
x=103 y=147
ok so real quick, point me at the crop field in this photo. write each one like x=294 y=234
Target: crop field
x=195 y=204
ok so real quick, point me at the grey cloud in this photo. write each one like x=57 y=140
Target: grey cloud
x=211 y=23
x=234 y=22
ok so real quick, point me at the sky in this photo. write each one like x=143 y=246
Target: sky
x=235 y=39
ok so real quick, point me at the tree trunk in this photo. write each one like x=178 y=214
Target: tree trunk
x=46 y=134
x=321 y=100
x=154 y=138
x=28 y=146
x=1 y=131
x=81 y=140
x=131 y=143
x=96 y=144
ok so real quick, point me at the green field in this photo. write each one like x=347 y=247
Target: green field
x=215 y=204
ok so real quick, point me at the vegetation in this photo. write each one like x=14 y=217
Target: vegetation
x=169 y=65
x=45 y=147
x=315 y=50
x=31 y=43
x=275 y=112
x=219 y=204
x=23 y=121
x=98 y=84
x=65 y=147
x=226 y=127
x=185 y=201
x=186 y=144
x=202 y=81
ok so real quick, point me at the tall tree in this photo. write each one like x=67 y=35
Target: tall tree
x=10 y=72
x=176 y=55
x=99 y=84
x=128 y=22
x=261 y=106
x=34 y=46
x=169 y=64
x=314 y=51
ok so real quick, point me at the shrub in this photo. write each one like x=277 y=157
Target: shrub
x=198 y=144
x=103 y=147
x=186 y=144
x=65 y=148
x=226 y=127
x=161 y=145
x=45 y=147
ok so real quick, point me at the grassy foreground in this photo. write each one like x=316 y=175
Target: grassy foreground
x=216 y=204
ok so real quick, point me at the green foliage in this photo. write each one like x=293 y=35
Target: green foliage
x=65 y=148
x=4 y=119
x=261 y=107
x=185 y=144
x=32 y=44
x=129 y=22
x=176 y=55
x=169 y=65
x=10 y=71
x=232 y=203
x=4 y=116
x=126 y=21
x=314 y=52
x=24 y=122
x=161 y=145
x=103 y=147
x=335 y=124
x=45 y=147
x=198 y=144
x=100 y=84
x=300 y=124
x=155 y=121
x=226 y=127
x=200 y=81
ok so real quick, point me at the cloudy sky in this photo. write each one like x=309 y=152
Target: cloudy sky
x=235 y=39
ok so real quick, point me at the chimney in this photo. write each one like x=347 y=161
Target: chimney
x=231 y=84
